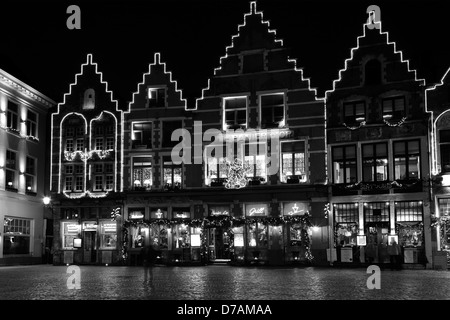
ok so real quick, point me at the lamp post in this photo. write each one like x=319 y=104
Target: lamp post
x=48 y=204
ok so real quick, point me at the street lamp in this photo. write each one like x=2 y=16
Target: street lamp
x=46 y=200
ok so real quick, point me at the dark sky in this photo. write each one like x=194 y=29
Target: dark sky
x=38 y=48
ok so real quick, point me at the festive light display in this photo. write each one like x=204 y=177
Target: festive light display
x=361 y=124
x=398 y=124
x=237 y=174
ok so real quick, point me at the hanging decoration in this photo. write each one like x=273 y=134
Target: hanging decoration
x=84 y=156
x=398 y=124
x=115 y=214
x=361 y=124
x=326 y=210
x=237 y=172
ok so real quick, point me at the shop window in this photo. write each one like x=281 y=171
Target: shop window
x=180 y=236
x=238 y=237
x=30 y=174
x=394 y=108
x=444 y=148
x=70 y=231
x=344 y=164
x=142 y=173
x=108 y=234
x=216 y=168
x=141 y=135
x=255 y=159
x=375 y=162
x=168 y=127
x=257 y=234
x=346 y=217
x=407 y=160
x=172 y=174
x=12 y=116
x=372 y=72
x=409 y=216
x=11 y=174
x=444 y=211
x=31 y=123
x=159 y=236
x=354 y=112
x=293 y=162
x=376 y=212
x=272 y=110
x=16 y=236
x=156 y=97
x=296 y=232
x=253 y=63
x=235 y=113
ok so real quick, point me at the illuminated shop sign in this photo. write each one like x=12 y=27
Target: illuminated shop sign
x=238 y=240
x=73 y=227
x=295 y=208
x=158 y=213
x=219 y=210
x=109 y=227
x=136 y=213
x=90 y=226
x=181 y=213
x=256 y=210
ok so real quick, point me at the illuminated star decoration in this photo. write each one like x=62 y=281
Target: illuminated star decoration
x=237 y=174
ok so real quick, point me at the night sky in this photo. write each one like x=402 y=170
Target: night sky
x=38 y=48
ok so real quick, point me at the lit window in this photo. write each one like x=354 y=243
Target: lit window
x=11 y=170
x=344 y=164
x=293 y=161
x=354 y=112
x=444 y=148
x=31 y=124
x=255 y=159
x=407 y=160
x=16 y=236
x=394 y=108
x=141 y=135
x=375 y=162
x=346 y=217
x=216 y=168
x=235 y=113
x=172 y=174
x=156 y=97
x=30 y=174
x=142 y=173
x=257 y=234
x=12 y=116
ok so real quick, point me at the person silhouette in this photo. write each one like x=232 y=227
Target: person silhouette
x=148 y=254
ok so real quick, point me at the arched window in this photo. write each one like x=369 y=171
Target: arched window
x=372 y=72
x=89 y=99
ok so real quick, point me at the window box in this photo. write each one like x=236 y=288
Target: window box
x=294 y=179
x=12 y=189
x=218 y=182
x=256 y=181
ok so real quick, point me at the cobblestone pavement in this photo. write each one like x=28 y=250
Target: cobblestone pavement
x=47 y=282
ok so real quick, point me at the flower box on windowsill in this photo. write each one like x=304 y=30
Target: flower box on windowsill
x=12 y=189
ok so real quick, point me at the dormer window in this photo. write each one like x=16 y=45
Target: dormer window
x=354 y=112
x=89 y=99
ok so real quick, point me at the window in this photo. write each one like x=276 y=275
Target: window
x=109 y=143
x=12 y=116
x=168 y=128
x=216 y=168
x=31 y=124
x=409 y=216
x=11 y=170
x=394 y=108
x=70 y=232
x=158 y=236
x=376 y=212
x=375 y=162
x=257 y=234
x=69 y=169
x=172 y=174
x=69 y=145
x=141 y=135
x=181 y=236
x=80 y=145
x=407 y=160
x=293 y=161
x=68 y=183
x=444 y=210
x=346 y=217
x=344 y=164
x=98 y=185
x=444 y=148
x=98 y=143
x=16 y=239
x=142 y=173
x=109 y=182
x=108 y=235
x=372 y=72
x=109 y=168
x=78 y=183
x=272 y=111
x=235 y=113
x=156 y=97
x=98 y=168
x=89 y=99
x=109 y=130
x=79 y=169
x=70 y=131
x=295 y=234
x=98 y=130
x=255 y=158
x=354 y=112
x=253 y=63
x=80 y=131
x=30 y=175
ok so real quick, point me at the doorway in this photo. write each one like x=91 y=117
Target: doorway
x=90 y=247
x=220 y=239
x=377 y=240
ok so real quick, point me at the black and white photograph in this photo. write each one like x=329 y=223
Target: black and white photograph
x=224 y=158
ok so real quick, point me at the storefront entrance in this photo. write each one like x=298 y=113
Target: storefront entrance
x=90 y=247
x=219 y=243
x=377 y=240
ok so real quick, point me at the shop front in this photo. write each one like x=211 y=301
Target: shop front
x=257 y=231
x=346 y=226
x=219 y=233
x=376 y=230
x=296 y=232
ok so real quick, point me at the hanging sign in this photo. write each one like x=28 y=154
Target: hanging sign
x=256 y=210
x=295 y=208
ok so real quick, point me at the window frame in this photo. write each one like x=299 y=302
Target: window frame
x=394 y=111
x=305 y=169
x=345 y=160
x=374 y=158
x=355 y=117
x=272 y=107
x=235 y=110
x=407 y=155
x=32 y=125
x=12 y=116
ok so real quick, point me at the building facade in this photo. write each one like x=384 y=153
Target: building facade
x=23 y=136
x=377 y=141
